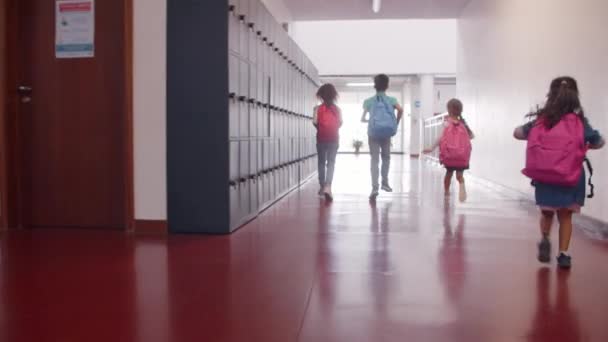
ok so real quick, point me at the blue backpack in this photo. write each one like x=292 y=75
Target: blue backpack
x=382 y=121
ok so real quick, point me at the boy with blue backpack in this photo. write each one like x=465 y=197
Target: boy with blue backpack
x=382 y=126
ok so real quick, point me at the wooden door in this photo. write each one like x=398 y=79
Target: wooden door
x=71 y=134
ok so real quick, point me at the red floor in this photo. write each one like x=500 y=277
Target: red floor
x=411 y=268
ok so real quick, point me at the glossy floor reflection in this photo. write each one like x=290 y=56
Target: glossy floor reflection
x=412 y=267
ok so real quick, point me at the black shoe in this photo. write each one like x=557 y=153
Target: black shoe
x=387 y=188
x=373 y=195
x=564 y=261
x=544 y=250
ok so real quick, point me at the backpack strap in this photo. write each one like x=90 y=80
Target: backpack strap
x=589 y=182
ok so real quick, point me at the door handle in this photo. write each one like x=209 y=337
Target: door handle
x=25 y=93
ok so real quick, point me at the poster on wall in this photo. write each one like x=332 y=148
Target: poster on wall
x=74 y=29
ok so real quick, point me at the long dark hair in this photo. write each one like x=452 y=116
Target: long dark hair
x=562 y=99
x=328 y=94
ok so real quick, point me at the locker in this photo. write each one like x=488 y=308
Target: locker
x=253 y=196
x=233 y=28
x=235 y=212
x=253 y=158
x=234 y=161
x=244 y=159
x=244 y=198
x=233 y=117
x=243 y=17
x=233 y=74
x=259 y=158
x=267 y=164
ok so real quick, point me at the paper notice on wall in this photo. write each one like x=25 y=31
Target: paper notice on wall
x=75 y=29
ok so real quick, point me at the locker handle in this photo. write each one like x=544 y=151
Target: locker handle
x=242 y=180
x=242 y=98
x=232 y=183
x=276 y=49
x=259 y=103
x=259 y=33
x=232 y=95
x=251 y=101
x=265 y=39
x=270 y=44
x=231 y=8
x=252 y=177
x=242 y=17
x=251 y=25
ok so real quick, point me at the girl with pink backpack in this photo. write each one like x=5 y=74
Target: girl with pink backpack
x=455 y=147
x=558 y=139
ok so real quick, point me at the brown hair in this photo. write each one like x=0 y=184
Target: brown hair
x=381 y=82
x=456 y=104
x=327 y=93
x=562 y=99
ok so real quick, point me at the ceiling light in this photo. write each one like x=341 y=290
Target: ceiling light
x=360 y=84
x=376 y=5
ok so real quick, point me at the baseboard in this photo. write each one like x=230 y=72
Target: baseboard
x=156 y=227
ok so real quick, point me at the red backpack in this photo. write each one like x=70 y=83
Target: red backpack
x=455 y=145
x=328 y=123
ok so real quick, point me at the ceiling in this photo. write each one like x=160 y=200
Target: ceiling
x=362 y=9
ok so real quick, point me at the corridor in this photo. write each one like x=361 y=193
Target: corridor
x=412 y=267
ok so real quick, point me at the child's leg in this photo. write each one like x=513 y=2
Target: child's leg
x=564 y=217
x=322 y=160
x=544 y=246
x=447 y=181
x=462 y=191
x=546 y=221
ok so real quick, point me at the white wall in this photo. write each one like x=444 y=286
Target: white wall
x=508 y=53
x=279 y=10
x=443 y=93
x=353 y=47
x=149 y=102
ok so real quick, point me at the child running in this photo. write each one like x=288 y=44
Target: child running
x=382 y=126
x=454 y=144
x=327 y=118
x=558 y=138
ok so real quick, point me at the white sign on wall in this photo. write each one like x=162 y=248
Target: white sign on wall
x=75 y=29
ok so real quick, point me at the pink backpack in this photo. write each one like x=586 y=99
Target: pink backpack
x=555 y=155
x=455 y=145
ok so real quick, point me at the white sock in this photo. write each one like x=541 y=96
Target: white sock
x=564 y=253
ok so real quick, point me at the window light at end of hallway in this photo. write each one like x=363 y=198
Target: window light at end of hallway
x=360 y=84
x=376 y=5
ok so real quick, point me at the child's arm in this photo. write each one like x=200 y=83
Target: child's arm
x=521 y=132
x=399 y=112
x=593 y=138
x=364 y=116
x=436 y=142
x=315 y=117
x=340 y=116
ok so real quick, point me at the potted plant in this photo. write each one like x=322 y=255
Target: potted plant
x=357 y=144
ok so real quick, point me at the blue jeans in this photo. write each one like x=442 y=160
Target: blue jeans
x=327 y=161
x=377 y=148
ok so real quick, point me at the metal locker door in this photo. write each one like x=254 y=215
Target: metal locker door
x=235 y=212
x=233 y=116
x=233 y=27
x=252 y=25
x=253 y=158
x=258 y=157
x=234 y=161
x=244 y=159
x=244 y=168
x=243 y=15
x=243 y=99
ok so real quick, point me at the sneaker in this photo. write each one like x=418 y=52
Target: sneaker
x=320 y=193
x=387 y=188
x=373 y=195
x=327 y=193
x=564 y=261
x=544 y=251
